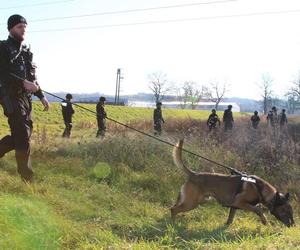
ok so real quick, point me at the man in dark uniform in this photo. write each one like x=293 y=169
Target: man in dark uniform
x=18 y=82
x=67 y=112
x=101 y=116
x=272 y=117
x=212 y=120
x=283 y=119
x=255 y=120
x=228 y=118
x=158 y=119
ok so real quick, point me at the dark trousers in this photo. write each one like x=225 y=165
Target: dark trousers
x=19 y=140
x=101 y=127
x=255 y=125
x=157 y=128
x=68 y=128
x=212 y=126
x=228 y=126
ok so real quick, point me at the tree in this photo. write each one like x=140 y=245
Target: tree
x=292 y=103
x=217 y=92
x=266 y=87
x=158 y=84
x=191 y=93
x=293 y=94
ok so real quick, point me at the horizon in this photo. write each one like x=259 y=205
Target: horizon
x=144 y=93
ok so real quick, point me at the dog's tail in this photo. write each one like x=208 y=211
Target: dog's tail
x=177 y=157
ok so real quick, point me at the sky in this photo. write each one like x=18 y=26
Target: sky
x=225 y=42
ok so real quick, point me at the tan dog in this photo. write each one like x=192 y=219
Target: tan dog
x=230 y=191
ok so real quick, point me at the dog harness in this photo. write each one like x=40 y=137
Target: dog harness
x=246 y=178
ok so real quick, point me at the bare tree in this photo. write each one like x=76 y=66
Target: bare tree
x=191 y=93
x=158 y=84
x=293 y=94
x=217 y=92
x=292 y=103
x=266 y=87
x=295 y=89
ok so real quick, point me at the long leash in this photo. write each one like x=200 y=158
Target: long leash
x=232 y=170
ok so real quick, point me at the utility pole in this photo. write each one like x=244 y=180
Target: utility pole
x=118 y=86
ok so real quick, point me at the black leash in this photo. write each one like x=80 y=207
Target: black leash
x=232 y=170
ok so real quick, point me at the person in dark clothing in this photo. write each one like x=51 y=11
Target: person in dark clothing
x=255 y=120
x=17 y=84
x=67 y=112
x=282 y=119
x=212 y=120
x=158 y=119
x=228 y=119
x=101 y=116
x=272 y=117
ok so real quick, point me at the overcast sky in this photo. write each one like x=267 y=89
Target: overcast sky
x=212 y=46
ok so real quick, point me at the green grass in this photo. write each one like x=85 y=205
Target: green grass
x=121 y=113
x=116 y=193
x=26 y=222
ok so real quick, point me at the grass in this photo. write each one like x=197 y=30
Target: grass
x=116 y=193
x=27 y=222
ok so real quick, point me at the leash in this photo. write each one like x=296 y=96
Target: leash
x=232 y=170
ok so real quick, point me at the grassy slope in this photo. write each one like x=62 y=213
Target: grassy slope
x=72 y=207
x=82 y=119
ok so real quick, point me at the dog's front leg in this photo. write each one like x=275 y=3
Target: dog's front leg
x=249 y=207
x=231 y=215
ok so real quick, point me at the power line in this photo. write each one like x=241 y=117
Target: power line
x=35 y=4
x=126 y=11
x=131 y=10
x=171 y=21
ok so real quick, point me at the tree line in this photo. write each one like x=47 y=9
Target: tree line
x=190 y=93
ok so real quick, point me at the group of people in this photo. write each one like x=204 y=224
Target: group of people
x=274 y=120
x=213 y=119
x=68 y=112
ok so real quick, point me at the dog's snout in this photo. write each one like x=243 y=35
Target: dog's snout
x=290 y=223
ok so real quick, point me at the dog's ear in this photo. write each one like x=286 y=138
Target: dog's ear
x=278 y=198
x=287 y=196
x=281 y=198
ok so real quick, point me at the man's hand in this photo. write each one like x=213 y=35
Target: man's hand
x=30 y=86
x=45 y=103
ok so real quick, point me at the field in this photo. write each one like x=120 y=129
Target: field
x=116 y=193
